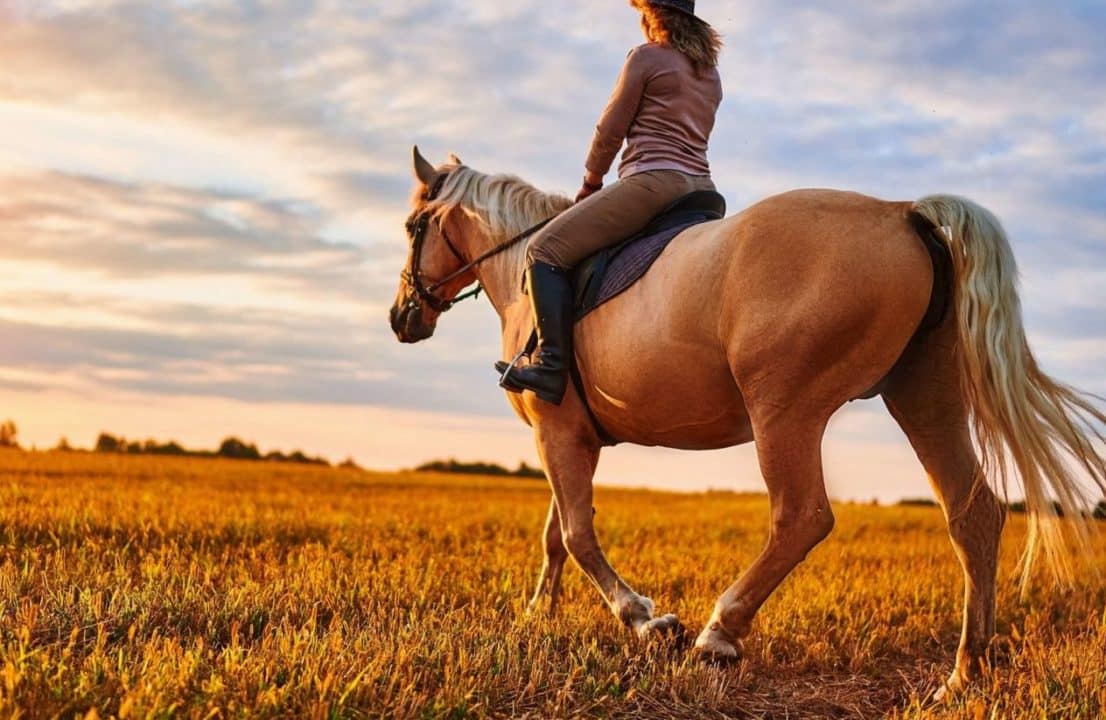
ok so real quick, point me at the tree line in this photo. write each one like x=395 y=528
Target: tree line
x=481 y=468
x=1018 y=507
x=231 y=448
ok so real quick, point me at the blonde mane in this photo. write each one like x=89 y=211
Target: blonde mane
x=505 y=205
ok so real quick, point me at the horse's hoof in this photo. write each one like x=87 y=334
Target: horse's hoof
x=666 y=626
x=714 y=648
x=950 y=690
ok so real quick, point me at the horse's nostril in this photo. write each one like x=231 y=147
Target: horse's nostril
x=398 y=319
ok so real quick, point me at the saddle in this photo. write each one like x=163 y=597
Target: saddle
x=607 y=273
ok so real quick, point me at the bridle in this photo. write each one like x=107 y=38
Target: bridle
x=416 y=229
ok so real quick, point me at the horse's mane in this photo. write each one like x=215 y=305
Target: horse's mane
x=505 y=204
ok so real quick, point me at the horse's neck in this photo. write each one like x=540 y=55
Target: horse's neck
x=501 y=275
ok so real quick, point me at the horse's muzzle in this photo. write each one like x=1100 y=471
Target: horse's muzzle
x=408 y=323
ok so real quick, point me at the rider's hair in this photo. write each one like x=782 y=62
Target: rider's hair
x=693 y=37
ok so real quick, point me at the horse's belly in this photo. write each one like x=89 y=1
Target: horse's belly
x=683 y=417
x=659 y=378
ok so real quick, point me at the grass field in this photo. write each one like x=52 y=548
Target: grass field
x=144 y=587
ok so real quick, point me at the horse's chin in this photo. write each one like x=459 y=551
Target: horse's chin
x=414 y=336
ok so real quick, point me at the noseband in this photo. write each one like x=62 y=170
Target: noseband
x=417 y=228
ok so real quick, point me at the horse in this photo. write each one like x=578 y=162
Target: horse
x=758 y=328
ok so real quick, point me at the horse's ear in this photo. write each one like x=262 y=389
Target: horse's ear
x=455 y=160
x=424 y=171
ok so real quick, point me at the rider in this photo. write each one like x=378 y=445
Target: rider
x=663 y=107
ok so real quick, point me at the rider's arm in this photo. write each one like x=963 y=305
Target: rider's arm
x=617 y=118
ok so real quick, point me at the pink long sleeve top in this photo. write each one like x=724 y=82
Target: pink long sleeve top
x=663 y=109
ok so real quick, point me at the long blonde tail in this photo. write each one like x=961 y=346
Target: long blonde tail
x=1024 y=421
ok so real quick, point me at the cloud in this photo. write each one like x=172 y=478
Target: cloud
x=126 y=229
x=177 y=291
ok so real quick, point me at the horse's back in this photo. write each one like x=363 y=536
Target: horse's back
x=818 y=283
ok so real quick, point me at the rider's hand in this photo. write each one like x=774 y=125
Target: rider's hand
x=586 y=191
x=593 y=183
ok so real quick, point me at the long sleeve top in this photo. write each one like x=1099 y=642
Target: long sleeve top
x=663 y=109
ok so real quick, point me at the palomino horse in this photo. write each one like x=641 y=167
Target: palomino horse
x=758 y=328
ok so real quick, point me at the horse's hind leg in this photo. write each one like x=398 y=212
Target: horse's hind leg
x=549 y=582
x=791 y=462
x=926 y=400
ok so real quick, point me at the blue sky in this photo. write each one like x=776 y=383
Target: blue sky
x=201 y=203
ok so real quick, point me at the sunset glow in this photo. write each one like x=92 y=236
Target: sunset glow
x=202 y=204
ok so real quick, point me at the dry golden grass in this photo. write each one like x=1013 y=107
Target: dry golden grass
x=143 y=587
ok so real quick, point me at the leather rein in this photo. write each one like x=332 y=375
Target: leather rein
x=417 y=228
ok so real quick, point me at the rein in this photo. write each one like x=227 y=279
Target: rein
x=413 y=277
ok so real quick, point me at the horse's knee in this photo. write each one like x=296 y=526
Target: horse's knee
x=803 y=529
x=822 y=523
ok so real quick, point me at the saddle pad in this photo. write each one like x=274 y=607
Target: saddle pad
x=631 y=263
x=609 y=272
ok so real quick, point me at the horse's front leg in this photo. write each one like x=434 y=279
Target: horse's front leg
x=569 y=452
x=549 y=582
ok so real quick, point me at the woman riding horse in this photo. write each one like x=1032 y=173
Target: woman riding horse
x=663 y=107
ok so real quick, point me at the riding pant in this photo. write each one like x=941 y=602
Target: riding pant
x=611 y=215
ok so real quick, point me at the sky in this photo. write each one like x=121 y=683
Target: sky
x=202 y=203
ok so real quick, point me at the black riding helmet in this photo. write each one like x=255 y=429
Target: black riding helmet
x=686 y=6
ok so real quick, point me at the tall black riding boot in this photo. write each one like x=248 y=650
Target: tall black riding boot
x=551 y=303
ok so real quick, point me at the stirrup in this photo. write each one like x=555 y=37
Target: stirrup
x=505 y=379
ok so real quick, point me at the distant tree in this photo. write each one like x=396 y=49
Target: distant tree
x=453 y=466
x=63 y=445
x=917 y=502
x=349 y=464
x=479 y=468
x=298 y=456
x=234 y=448
x=109 y=443
x=8 y=434
x=1019 y=508
x=153 y=447
x=525 y=471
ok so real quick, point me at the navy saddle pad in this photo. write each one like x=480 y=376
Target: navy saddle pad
x=608 y=272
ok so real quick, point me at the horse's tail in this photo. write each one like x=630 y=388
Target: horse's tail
x=1024 y=421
